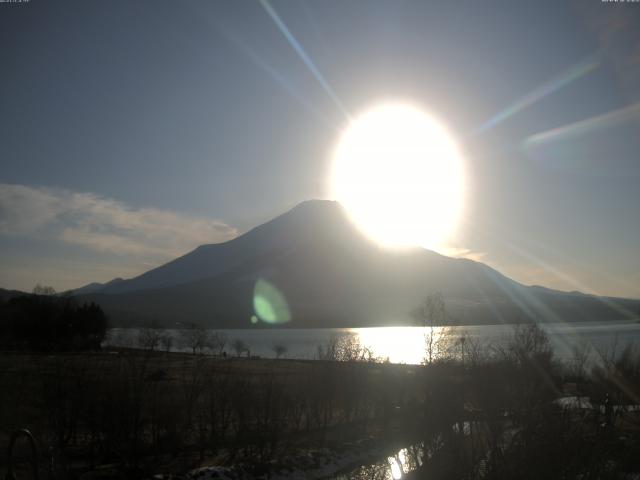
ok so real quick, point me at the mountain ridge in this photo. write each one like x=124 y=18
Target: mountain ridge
x=208 y=268
x=331 y=275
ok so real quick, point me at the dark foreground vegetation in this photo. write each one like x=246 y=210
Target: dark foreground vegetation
x=46 y=321
x=481 y=412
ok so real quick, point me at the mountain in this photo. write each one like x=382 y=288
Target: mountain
x=328 y=275
x=95 y=287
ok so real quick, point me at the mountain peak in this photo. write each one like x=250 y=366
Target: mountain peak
x=317 y=204
x=311 y=211
x=309 y=221
x=332 y=275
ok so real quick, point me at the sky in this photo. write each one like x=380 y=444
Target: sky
x=132 y=132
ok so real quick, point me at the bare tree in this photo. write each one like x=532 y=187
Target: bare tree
x=432 y=313
x=279 y=349
x=580 y=354
x=217 y=342
x=345 y=348
x=195 y=337
x=240 y=347
x=43 y=290
x=529 y=343
x=476 y=350
x=149 y=337
x=329 y=351
x=167 y=342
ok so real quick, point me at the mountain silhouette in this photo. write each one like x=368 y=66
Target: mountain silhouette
x=95 y=287
x=330 y=275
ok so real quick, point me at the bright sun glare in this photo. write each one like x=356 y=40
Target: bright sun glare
x=399 y=175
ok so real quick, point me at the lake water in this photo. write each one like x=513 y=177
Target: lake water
x=404 y=344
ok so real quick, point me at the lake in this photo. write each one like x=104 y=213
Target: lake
x=405 y=344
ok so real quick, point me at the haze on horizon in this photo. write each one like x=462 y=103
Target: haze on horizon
x=132 y=133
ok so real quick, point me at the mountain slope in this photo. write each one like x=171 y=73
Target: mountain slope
x=329 y=276
x=305 y=222
x=95 y=287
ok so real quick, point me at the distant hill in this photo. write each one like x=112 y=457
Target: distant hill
x=6 y=295
x=94 y=287
x=330 y=276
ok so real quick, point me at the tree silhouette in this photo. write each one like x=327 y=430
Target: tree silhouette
x=50 y=322
x=279 y=349
x=43 y=290
x=430 y=314
x=240 y=347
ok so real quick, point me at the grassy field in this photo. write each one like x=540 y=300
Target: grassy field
x=130 y=413
x=172 y=412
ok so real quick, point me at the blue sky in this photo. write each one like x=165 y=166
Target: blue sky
x=131 y=132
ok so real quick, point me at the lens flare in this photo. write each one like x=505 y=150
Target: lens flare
x=565 y=78
x=306 y=59
x=584 y=127
x=269 y=303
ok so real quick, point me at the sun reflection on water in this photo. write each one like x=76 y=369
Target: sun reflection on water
x=396 y=470
x=392 y=467
x=397 y=344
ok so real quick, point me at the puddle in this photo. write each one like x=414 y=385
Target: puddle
x=392 y=467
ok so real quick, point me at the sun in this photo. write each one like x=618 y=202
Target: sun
x=399 y=174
